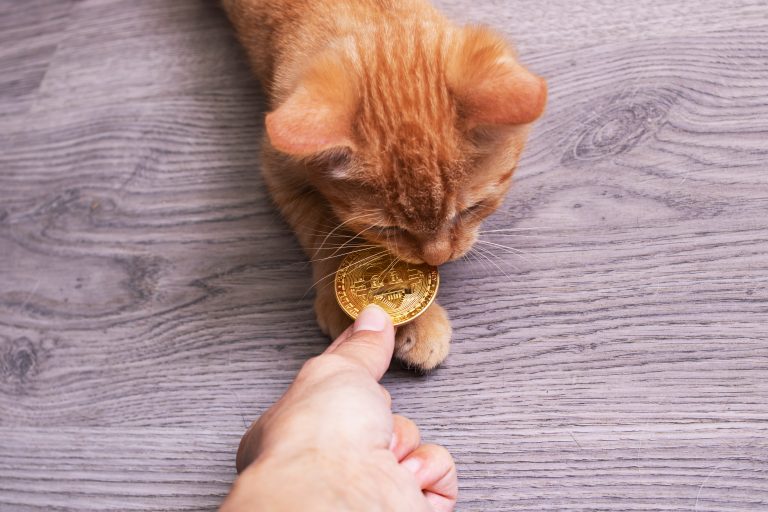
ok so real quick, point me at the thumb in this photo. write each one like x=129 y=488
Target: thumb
x=369 y=342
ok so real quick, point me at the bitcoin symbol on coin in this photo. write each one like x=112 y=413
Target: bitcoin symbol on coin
x=403 y=290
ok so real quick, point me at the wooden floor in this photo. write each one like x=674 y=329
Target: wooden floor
x=152 y=303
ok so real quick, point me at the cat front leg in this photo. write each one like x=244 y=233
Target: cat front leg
x=316 y=229
x=330 y=317
x=325 y=249
x=424 y=343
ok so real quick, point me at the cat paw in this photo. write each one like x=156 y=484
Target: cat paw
x=424 y=343
x=330 y=318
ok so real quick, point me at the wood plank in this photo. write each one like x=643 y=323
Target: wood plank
x=640 y=468
x=561 y=25
x=114 y=469
x=113 y=54
x=30 y=32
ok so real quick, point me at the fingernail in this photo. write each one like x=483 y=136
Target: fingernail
x=413 y=465
x=372 y=318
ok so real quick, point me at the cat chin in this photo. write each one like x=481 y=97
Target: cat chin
x=408 y=258
x=419 y=261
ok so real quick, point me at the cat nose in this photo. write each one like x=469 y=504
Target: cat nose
x=436 y=253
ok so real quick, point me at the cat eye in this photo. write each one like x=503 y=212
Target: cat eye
x=473 y=209
x=337 y=158
x=389 y=230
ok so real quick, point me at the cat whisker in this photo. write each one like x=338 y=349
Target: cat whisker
x=334 y=246
x=482 y=260
x=492 y=255
x=353 y=238
x=468 y=259
x=391 y=265
x=357 y=217
x=503 y=230
x=484 y=253
x=363 y=261
x=479 y=254
x=475 y=216
x=511 y=250
x=346 y=253
x=521 y=235
x=321 y=227
x=353 y=246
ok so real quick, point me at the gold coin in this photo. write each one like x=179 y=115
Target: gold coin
x=403 y=290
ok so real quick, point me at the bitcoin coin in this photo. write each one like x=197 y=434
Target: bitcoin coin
x=370 y=276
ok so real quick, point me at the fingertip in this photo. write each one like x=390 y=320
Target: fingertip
x=406 y=435
x=434 y=470
x=371 y=342
x=372 y=318
x=440 y=503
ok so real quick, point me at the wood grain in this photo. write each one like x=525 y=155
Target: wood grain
x=152 y=303
x=655 y=467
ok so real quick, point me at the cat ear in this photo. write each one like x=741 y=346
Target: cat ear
x=317 y=116
x=489 y=83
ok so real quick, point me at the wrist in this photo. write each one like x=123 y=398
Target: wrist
x=311 y=480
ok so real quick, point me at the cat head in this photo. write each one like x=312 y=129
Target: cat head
x=412 y=136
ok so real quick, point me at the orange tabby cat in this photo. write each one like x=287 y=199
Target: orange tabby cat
x=390 y=123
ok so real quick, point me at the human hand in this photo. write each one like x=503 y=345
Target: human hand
x=331 y=443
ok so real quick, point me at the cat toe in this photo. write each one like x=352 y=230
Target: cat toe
x=425 y=342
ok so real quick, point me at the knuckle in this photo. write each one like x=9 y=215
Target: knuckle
x=367 y=338
x=406 y=422
x=441 y=454
x=322 y=365
x=385 y=394
x=312 y=366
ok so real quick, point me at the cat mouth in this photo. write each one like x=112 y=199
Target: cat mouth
x=420 y=260
x=407 y=258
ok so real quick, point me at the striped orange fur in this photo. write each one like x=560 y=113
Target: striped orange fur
x=390 y=123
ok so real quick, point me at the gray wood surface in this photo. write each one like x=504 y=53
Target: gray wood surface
x=152 y=303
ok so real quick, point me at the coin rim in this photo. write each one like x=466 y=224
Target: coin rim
x=338 y=299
